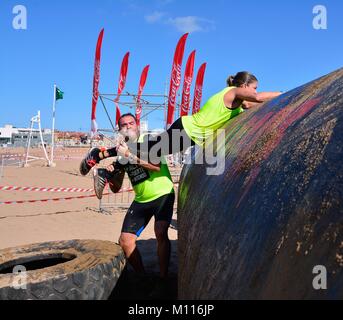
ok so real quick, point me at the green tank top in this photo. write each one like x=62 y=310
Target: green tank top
x=157 y=185
x=211 y=117
x=149 y=185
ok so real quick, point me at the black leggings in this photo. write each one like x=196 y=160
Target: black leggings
x=172 y=141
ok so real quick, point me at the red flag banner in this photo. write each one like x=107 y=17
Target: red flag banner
x=175 y=78
x=96 y=80
x=122 y=82
x=198 y=89
x=186 y=92
x=140 y=91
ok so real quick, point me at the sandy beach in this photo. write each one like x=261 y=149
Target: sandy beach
x=37 y=222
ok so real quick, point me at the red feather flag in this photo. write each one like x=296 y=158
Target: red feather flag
x=186 y=92
x=96 y=80
x=122 y=81
x=198 y=89
x=140 y=91
x=175 y=78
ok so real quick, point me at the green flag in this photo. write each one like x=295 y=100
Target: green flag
x=59 y=94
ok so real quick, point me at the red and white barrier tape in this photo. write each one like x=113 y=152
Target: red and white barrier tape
x=41 y=189
x=45 y=200
x=81 y=151
x=12 y=155
x=58 y=199
x=68 y=158
x=58 y=153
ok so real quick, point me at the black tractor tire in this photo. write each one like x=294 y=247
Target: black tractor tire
x=63 y=270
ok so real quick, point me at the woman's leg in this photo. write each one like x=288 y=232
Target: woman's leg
x=172 y=141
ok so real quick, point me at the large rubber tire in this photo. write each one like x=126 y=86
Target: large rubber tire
x=91 y=275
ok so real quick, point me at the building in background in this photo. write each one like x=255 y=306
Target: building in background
x=144 y=127
x=17 y=137
x=6 y=135
x=71 y=138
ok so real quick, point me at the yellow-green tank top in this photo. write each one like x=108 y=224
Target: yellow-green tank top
x=211 y=117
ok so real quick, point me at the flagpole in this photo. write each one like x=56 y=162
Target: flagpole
x=51 y=164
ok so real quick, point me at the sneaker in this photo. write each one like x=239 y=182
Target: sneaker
x=115 y=180
x=101 y=177
x=91 y=159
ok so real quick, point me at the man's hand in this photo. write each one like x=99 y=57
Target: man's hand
x=110 y=168
x=123 y=150
x=120 y=139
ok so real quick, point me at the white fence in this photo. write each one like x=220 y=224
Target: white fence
x=109 y=203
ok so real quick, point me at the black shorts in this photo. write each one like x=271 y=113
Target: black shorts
x=139 y=214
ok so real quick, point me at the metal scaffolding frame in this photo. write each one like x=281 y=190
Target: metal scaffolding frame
x=148 y=106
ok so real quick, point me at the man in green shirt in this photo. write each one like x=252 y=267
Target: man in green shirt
x=154 y=196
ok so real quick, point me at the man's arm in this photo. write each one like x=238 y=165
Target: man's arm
x=125 y=152
x=146 y=165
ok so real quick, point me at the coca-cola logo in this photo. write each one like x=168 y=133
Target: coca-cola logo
x=139 y=109
x=187 y=85
x=176 y=75
x=96 y=81
x=186 y=94
x=175 y=84
x=122 y=81
x=198 y=91
x=197 y=98
x=172 y=96
x=185 y=107
x=96 y=75
x=139 y=104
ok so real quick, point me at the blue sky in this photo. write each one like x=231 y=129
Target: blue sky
x=275 y=40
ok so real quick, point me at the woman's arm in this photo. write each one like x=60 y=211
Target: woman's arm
x=266 y=96
x=248 y=105
x=246 y=95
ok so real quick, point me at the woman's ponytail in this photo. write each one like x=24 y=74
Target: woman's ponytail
x=241 y=78
x=230 y=81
